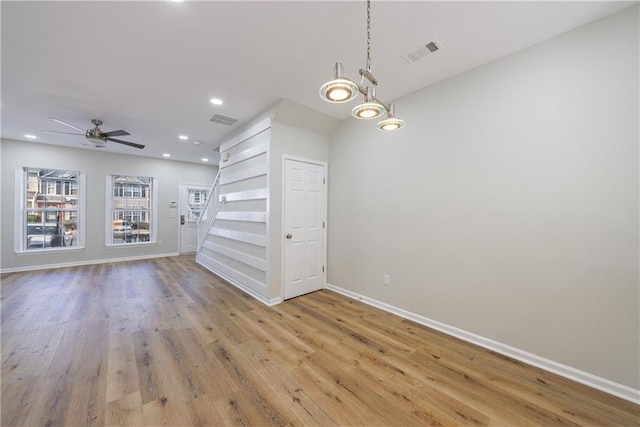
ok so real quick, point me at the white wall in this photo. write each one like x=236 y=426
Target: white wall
x=508 y=206
x=96 y=165
x=292 y=141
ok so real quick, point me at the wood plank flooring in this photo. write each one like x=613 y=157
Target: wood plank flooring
x=164 y=342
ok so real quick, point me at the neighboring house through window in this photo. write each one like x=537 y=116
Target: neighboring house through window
x=196 y=201
x=132 y=206
x=50 y=206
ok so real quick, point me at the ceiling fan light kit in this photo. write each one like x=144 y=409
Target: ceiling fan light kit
x=95 y=141
x=341 y=89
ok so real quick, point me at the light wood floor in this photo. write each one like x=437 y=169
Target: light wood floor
x=164 y=342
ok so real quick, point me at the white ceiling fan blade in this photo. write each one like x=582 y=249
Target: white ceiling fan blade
x=60 y=133
x=67 y=124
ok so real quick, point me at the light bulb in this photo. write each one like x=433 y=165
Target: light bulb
x=338 y=93
x=367 y=113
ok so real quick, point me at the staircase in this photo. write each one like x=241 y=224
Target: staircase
x=232 y=231
x=240 y=236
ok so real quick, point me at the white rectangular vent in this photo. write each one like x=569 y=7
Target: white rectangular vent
x=417 y=54
x=223 y=120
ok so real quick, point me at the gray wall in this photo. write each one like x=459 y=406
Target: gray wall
x=508 y=206
x=96 y=165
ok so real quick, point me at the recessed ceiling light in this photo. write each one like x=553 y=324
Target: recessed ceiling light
x=166 y=155
x=216 y=101
x=196 y=142
x=177 y=1
x=27 y=135
x=204 y=159
x=183 y=137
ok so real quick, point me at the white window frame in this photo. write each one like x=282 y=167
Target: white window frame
x=153 y=224
x=20 y=217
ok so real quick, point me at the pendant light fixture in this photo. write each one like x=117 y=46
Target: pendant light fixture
x=369 y=109
x=391 y=123
x=341 y=89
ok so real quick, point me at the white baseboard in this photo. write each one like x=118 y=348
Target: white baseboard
x=266 y=301
x=566 y=371
x=86 y=262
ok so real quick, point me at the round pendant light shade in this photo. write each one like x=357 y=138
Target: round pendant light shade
x=368 y=110
x=391 y=123
x=339 y=89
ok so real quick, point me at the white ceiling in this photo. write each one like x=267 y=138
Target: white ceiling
x=151 y=67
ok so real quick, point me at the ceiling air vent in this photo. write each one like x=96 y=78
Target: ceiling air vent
x=223 y=120
x=424 y=50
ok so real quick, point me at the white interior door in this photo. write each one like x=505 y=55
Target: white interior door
x=304 y=222
x=192 y=202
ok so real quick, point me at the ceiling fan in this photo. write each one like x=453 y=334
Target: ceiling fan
x=95 y=137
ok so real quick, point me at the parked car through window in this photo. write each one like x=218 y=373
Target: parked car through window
x=52 y=203
x=121 y=230
x=48 y=236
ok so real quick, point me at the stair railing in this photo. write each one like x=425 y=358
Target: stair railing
x=208 y=215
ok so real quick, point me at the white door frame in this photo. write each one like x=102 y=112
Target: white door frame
x=182 y=185
x=324 y=165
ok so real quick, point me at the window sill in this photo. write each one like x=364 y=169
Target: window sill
x=49 y=251
x=129 y=245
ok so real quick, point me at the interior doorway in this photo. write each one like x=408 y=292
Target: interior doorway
x=304 y=226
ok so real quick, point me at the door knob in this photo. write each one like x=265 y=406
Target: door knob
x=288 y=236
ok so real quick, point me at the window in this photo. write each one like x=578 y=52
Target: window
x=50 y=202
x=196 y=201
x=71 y=188
x=136 y=191
x=52 y=188
x=132 y=210
x=123 y=189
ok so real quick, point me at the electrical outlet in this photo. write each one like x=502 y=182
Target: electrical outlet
x=386 y=280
